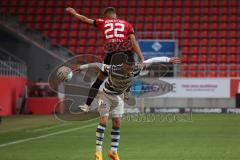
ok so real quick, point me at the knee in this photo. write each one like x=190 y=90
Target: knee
x=104 y=120
x=116 y=122
x=102 y=77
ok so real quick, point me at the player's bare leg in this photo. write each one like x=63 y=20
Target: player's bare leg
x=93 y=92
x=100 y=136
x=115 y=136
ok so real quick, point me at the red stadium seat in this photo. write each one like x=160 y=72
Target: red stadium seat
x=185 y=50
x=222 y=58
x=184 y=58
x=213 y=50
x=193 y=74
x=184 y=67
x=184 y=74
x=233 y=50
x=202 y=67
x=194 y=50
x=233 y=59
x=232 y=42
x=212 y=67
x=201 y=74
x=203 y=50
x=233 y=74
x=205 y=26
x=222 y=34
x=213 y=34
x=222 y=67
x=232 y=33
x=213 y=58
x=222 y=50
x=195 y=34
x=233 y=67
x=193 y=59
x=211 y=74
x=204 y=42
x=203 y=58
x=195 y=42
x=204 y=34
x=193 y=67
x=222 y=74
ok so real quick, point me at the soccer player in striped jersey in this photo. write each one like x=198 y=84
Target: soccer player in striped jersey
x=119 y=36
x=122 y=72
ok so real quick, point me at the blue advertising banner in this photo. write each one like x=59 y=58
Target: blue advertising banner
x=154 y=47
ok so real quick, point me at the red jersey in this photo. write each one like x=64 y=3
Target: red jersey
x=114 y=30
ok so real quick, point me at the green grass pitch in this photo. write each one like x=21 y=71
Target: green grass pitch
x=208 y=137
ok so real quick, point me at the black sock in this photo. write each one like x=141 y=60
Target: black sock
x=93 y=91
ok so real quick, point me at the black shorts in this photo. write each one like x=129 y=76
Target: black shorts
x=108 y=58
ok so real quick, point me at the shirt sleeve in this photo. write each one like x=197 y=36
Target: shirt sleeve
x=98 y=23
x=130 y=29
x=157 y=60
x=91 y=65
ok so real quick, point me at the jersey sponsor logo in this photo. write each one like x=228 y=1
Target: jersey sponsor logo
x=123 y=46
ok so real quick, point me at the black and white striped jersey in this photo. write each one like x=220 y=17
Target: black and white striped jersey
x=119 y=80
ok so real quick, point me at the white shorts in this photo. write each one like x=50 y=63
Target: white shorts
x=111 y=103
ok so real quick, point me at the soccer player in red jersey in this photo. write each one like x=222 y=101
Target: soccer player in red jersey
x=119 y=37
x=116 y=33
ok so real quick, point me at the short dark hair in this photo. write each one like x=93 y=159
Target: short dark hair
x=109 y=9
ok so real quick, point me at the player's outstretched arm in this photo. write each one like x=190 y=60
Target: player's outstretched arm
x=149 y=62
x=82 y=18
x=79 y=68
x=173 y=60
x=136 y=47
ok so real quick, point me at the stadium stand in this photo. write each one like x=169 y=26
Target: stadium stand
x=207 y=31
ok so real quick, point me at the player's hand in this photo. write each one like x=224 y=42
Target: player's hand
x=71 y=10
x=175 y=60
x=76 y=68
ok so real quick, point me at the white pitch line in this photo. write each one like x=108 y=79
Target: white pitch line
x=50 y=127
x=46 y=135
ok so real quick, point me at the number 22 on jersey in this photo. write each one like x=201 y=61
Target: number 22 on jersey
x=113 y=30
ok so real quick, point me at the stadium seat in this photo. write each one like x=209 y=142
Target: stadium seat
x=201 y=74
x=222 y=58
x=193 y=67
x=184 y=67
x=213 y=58
x=212 y=67
x=233 y=74
x=222 y=74
x=211 y=74
x=203 y=58
x=233 y=59
x=184 y=74
x=233 y=50
x=233 y=67
x=203 y=50
x=184 y=58
x=193 y=74
x=222 y=67
x=213 y=50
x=193 y=59
x=202 y=67
x=222 y=50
